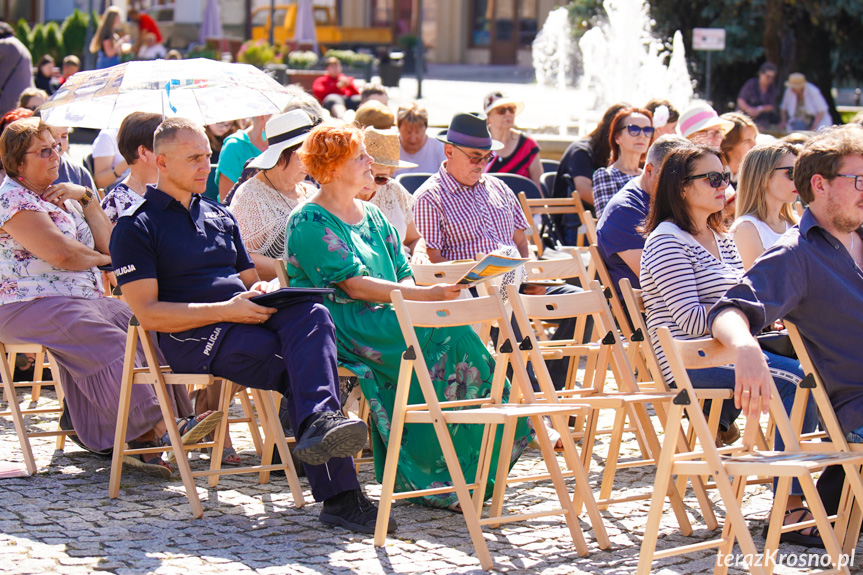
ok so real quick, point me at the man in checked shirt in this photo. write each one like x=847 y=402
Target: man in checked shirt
x=462 y=211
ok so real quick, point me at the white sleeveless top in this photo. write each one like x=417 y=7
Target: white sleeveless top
x=765 y=233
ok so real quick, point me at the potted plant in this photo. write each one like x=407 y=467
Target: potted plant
x=408 y=43
x=301 y=60
x=257 y=53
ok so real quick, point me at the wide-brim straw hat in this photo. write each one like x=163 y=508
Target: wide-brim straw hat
x=796 y=80
x=469 y=131
x=283 y=131
x=384 y=148
x=497 y=99
x=701 y=117
x=375 y=114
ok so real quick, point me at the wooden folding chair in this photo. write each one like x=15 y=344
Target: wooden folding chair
x=848 y=528
x=547 y=207
x=160 y=377
x=602 y=274
x=490 y=412
x=7 y=370
x=738 y=461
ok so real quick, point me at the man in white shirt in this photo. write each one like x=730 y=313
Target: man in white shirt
x=416 y=147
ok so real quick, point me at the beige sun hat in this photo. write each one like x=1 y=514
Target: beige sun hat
x=796 y=80
x=383 y=146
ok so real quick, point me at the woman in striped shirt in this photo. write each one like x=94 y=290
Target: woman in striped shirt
x=687 y=264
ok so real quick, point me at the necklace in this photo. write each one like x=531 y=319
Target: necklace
x=284 y=195
x=138 y=184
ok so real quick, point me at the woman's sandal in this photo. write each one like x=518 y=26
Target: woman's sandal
x=813 y=539
x=149 y=463
x=229 y=454
x=193 y=429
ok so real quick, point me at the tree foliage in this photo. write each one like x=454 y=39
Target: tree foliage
x=74 y=31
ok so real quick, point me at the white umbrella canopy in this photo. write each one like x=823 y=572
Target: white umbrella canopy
x=204 y=91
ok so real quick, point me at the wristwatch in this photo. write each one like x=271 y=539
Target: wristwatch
x=86 y=198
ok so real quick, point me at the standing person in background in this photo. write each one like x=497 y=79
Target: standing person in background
x=237 y=149
x=146 y=25
x=44 y=78
x=416 y=147
x=106 y=43
x=759 y=95
x=15 y=68
x=629 y=138
x=665 y=117
x=803 y=106
x=520 y=154
x=738 y=141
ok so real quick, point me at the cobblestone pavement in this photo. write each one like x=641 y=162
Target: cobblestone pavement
x=62 y=521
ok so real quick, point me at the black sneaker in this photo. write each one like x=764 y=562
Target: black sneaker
x=353 y=510
x=331 y=435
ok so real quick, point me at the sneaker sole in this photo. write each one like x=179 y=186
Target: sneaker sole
x=343 y=441
x=151 y=469
x=201 y=430
x=336 y=521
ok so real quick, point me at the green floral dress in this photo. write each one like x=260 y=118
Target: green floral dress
x=322 y=250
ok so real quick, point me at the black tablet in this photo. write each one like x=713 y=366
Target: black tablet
x=287 y=296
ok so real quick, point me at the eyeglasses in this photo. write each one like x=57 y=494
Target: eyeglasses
x=858 y=180
x=45 y=153
x=789 y=171
x=474 y=159
x=715 y=179
x=505 y=109
x=635 y=130
x=381 y=180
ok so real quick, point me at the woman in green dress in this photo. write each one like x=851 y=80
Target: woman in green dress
x=338 y=241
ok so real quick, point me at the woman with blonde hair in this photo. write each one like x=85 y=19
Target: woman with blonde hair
x=737 y=141
x=337 y=241
x=106 y=44
x=764 y=196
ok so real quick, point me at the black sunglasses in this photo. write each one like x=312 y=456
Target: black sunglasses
x=789 y=171
x=715 y=179
x=635 y=130
x=381 y=180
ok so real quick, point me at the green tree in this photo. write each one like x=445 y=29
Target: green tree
x=23 y=32
x=74 y=30
x=38 y=42
x=54 y=42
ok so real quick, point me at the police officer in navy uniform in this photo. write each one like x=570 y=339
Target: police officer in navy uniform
x=186 y=275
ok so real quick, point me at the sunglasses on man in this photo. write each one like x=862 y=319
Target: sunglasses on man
x=715 y=179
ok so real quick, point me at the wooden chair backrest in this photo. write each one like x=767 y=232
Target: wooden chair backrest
x=282 y=272
x=613 y=299
x=634 y=302
x=448 y=272
x=564 y=268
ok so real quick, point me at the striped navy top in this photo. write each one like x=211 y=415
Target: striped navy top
x=680 y=280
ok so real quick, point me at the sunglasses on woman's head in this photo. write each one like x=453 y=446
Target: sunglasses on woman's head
x=715 y=179
x=635 y=130
x=789 y=171
x=381 y=180
x=45 y=153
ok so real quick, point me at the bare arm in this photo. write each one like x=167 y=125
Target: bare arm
x=266 y=266
x=40 y=236
x=104 y=173
x=521 y=244
x=168 y=317
x=435 y=256
x=817 y=120
x=376 y=290
x=584 y=187
x=752 y=387
x=748 y=243
x=225 y=186
x=751 y=110
x=632 y=258
x=94 y=215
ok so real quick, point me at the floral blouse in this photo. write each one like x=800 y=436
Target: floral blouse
x=120 y=199
x=23 y=276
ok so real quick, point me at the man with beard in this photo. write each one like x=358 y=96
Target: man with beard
x=812 y=277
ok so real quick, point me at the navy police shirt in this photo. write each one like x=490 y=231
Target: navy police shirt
x=617 y=230
x=196 y=254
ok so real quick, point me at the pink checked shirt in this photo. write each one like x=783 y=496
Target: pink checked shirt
x=461 y=221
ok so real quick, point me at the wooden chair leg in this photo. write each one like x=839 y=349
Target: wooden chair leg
x=17 y=418
x=249 y=413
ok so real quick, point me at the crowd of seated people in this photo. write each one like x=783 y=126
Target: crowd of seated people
x=687 y=202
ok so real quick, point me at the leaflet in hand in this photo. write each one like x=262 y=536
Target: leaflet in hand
x=491 y=266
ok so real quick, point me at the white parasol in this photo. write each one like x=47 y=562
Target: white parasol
x=204 y=91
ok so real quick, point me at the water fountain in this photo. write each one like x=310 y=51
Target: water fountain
x=618 y=60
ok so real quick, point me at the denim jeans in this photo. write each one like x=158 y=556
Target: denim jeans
x=787 y=374
x=855 y=436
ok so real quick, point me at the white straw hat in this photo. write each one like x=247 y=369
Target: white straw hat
x=284 y=131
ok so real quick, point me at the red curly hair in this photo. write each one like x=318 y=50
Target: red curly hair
x=13 y=115
x=327 y=148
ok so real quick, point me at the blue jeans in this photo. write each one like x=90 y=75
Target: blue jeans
x=787 y=374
